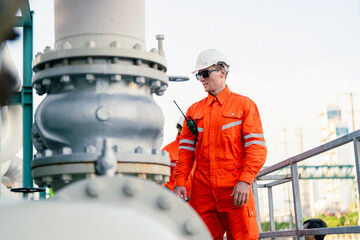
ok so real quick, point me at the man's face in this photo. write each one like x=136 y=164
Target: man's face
x=215 y=83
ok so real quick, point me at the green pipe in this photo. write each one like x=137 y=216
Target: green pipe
x=27 y=103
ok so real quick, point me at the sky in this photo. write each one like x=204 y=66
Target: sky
x=291 y=57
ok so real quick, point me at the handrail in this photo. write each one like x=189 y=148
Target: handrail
x=294 y=178
x=311 y=153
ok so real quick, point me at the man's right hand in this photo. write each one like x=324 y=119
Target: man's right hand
x=180 y=191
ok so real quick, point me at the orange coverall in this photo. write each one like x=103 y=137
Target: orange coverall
x=173 y=150
x=230 y=148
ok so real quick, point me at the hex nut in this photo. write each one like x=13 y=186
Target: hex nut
x=66 y=45
x=67 y=178
x=89 y=60
x=48 y=153
x=46 y=81
x=47 y=180
x=115 y=60
x=158 y=177
x=65 y=79
x=115 y=44
x=90 y=44
x=115 y=78
x=35 y=133
x=90 y=78
x=140 y=80
x=66 y=150
x=155 y=84
x=47 y=49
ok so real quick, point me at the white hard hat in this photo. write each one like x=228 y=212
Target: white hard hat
x=210 y=57
x=180 y=121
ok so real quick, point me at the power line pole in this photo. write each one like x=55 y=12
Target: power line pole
x=291 y=221
x=352 y=112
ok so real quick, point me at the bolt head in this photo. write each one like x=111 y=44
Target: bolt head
x=103 y=114
x=92 y=190
x=137 y=46
x=163 y=202
x=90 y=149
x=138 y=150
x=190 y=227
x=129 y=189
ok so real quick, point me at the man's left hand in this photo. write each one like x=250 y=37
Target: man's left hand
x=241 y=193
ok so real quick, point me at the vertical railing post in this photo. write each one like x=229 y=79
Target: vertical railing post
x=296 y=198
x=257 y=207
x=357 y=164
x=271 y=210
x=27 y=103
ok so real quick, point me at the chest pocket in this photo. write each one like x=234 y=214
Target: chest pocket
x=199 y=119
x=231 y=122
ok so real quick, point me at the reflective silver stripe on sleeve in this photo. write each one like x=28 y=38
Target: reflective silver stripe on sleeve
x=172 y=164
x=255 y=142
x=187 y=148
x=233 y=124
x=200 y=129
x=250 y=135
x=186 y=141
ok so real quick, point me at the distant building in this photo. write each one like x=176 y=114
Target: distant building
x=332 y=195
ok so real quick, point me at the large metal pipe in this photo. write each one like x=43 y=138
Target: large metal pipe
x=100 y=23
x=11 y=124
x=99 y=116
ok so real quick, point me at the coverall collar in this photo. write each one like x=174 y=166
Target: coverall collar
x=221 y=97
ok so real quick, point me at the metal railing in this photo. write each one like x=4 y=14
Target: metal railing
x=293 y=177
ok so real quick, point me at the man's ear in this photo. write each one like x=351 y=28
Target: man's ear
x=223 y=73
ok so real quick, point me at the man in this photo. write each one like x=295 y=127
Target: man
x=229 y=150
x=314 y=223
x=173 y=150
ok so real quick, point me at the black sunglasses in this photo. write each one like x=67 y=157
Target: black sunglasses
x=206 y=73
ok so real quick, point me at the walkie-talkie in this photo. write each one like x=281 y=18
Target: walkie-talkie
x=189 y=122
